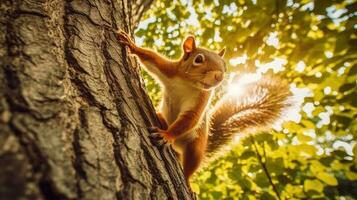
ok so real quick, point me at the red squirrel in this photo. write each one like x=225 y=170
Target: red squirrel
x=188 y=85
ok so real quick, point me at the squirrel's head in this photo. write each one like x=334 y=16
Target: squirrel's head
x=204 y=68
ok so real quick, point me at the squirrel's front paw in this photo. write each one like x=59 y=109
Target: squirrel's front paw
x=160 y=136
x=124 y=38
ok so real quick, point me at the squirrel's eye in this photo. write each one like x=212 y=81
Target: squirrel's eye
x=199 y=59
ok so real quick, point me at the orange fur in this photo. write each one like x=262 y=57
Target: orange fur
x=194 y=153
x=167 y=67
x=162 y=121
x=189 y=119
x=187 y=87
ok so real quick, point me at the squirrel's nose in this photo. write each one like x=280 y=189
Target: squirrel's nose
x=218 y=76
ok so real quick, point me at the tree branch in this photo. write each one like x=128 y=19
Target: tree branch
x=265 y=169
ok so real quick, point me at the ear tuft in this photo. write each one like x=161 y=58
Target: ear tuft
x=221 y=53
x=189 y=44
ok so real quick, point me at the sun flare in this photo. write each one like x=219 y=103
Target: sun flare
x=237 y=86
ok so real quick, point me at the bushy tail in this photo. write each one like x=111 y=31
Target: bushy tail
x=260 y=105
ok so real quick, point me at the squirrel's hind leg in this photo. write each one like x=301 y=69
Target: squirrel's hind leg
x=193 y=155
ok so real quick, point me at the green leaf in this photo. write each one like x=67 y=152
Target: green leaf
x=318 y=110
x=315 y=185
x=351 y=175
x=262 y=180
x=304 y=138
x=307 y=149
x=275 y=166
x=353 y=71
x=327 y=178
x=267 y=196
x=247 y=154
x=347 y=87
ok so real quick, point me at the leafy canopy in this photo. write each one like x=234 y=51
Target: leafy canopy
x=310 y=43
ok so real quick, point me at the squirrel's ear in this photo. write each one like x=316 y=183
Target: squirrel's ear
x=221 y=53
x=189 y=44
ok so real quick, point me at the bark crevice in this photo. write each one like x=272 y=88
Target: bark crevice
x=73 y=111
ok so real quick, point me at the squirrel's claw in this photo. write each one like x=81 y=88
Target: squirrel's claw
x=155 y=136
x=158 y=136
x=153 y=129
x=124 y=38
x=157 y=139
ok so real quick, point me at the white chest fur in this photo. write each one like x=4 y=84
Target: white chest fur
x=178 y=97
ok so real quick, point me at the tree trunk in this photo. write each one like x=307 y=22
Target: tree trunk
x=73 y=112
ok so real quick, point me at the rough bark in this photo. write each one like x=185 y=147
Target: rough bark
x=73 y=112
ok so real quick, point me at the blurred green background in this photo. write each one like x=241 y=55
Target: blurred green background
x=313 y=45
